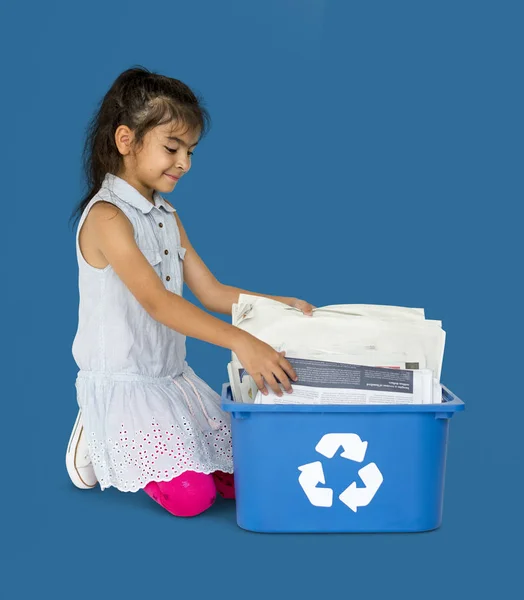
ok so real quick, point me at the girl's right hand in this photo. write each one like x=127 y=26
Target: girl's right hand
x=264 y=363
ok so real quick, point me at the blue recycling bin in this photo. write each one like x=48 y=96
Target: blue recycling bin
x=340 y=468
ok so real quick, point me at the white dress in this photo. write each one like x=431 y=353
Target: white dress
x=147 y=416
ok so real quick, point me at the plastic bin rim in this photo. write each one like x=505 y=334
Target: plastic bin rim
x=454 y=404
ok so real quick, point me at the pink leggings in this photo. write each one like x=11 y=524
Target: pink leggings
x=191 y=493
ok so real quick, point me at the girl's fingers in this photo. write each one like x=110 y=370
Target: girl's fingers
x=286 y=366
x=282 y=377
x=272 y=382
x=259 y=380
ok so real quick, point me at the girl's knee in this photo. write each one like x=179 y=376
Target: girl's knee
x=187 y=495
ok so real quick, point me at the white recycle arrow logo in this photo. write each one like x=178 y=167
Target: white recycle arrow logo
x=354 y=449
x=312 y=474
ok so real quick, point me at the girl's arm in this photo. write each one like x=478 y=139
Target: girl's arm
x=113 y=235
x=225 y=296
x=215 y=296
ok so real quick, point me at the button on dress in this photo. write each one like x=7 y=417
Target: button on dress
x=146 y=414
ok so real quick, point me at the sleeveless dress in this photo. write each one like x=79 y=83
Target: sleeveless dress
x=147 y=416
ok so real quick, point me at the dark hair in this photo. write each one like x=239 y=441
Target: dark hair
x=141 y=100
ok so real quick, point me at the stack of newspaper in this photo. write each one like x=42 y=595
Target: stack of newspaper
x=344 y=354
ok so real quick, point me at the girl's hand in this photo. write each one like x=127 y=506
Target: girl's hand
x=264 y=363
x=304 y=306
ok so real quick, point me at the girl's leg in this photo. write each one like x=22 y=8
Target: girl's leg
x=187 y=495
x=225 y=484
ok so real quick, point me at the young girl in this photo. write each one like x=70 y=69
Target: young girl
x=146 y=420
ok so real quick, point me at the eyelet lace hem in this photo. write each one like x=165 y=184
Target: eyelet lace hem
x=139 y=486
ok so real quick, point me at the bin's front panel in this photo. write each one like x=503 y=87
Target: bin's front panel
x=321 y=472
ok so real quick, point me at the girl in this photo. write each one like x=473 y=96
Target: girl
x=146 y=420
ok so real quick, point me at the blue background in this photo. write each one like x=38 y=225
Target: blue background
x=361 y=152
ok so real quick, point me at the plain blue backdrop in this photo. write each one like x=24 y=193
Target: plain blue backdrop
x=360 y=152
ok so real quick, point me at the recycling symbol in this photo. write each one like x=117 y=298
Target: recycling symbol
x=354 y=449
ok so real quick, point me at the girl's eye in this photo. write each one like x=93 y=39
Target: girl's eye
x=173 y=150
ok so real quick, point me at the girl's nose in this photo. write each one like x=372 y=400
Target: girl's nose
x=183 y=163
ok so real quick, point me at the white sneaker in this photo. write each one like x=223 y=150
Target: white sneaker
x=78 y=463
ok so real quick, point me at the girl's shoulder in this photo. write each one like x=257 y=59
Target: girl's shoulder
x=107 y=203
x=103 y=210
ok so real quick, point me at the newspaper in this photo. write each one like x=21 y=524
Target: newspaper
x=323 y=382
x=364 y=334
x=244 y=388
x=246 y=302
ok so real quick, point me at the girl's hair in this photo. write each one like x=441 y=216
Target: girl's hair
x=141 y=100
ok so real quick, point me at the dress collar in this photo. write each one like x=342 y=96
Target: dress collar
x=126 y=192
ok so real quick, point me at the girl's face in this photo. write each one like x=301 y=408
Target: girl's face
x=164 y=157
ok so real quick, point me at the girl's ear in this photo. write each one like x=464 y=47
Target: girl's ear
x=123 y=139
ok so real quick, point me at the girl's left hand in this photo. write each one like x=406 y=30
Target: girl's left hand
x=304 y=306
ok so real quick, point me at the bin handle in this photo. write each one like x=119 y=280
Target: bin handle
x=449 y=396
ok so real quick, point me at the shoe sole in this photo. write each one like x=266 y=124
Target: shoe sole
x=72 y=449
